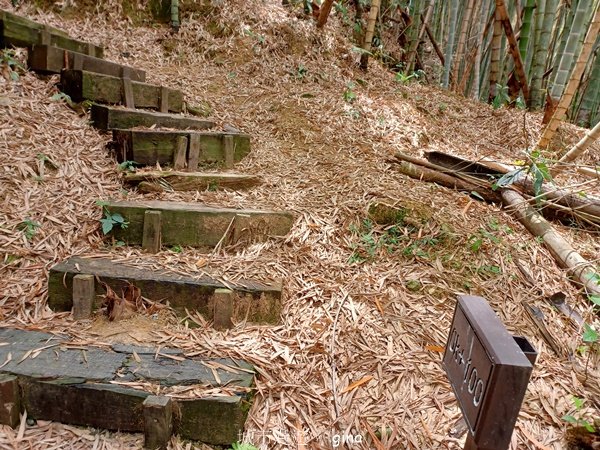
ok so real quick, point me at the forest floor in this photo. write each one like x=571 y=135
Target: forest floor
x=358 y=305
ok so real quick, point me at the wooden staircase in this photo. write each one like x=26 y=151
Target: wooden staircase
x=187 y=145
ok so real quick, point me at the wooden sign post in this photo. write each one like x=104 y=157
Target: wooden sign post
x=488 y=370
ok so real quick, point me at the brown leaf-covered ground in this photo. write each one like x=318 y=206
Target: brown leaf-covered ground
x=362 y=304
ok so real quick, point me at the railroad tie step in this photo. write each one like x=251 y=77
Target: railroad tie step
x=84 y=85
x=22 y=32
x=172 y=180
x=243 y=300
x=196 y=225
x=180 y=149
x=88 y=386
x=109 y=118
x=49 y=59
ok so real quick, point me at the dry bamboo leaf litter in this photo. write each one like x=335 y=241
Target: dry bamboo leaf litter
x=324 y=159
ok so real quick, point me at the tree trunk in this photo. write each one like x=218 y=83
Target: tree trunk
x=364 y=59
x=571 y=49
x=544 y=21
x=495 y=61
x=462 y=40
x=413 y=33
x=324 y=13
x=525 y=33
x=591 y=96
x=519 y=69
x=482 y=31
x=560 y=249
x=569 y=92
x=450 y=43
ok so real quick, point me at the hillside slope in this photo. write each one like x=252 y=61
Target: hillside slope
x=357 y=303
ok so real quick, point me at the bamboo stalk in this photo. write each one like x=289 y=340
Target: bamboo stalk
x=373 y=12
x=514 y=50
x=565 y=101
x=324 y=13
x=559 y=247
x=579 y=148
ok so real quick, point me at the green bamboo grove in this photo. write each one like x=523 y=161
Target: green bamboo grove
x=518 y=52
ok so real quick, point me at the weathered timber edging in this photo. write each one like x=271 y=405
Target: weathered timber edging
x=52 y=380
x=200 y=226
x=199 y=149
x=83 y=85
x=48 y=59
x=160 y=181
x=255 y=302
x=109 y=118
x=22 y=32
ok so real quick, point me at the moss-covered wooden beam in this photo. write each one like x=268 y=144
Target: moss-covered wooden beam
x=151 y=147
x=256 y=302
x=110 y=117
x=48 y=59
x=22 y=32
x=197 y=225
x=161 y=181
x=83 y=85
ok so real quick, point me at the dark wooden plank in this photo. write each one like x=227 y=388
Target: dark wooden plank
x=194 y=152
x=10 y=401
x=214 y=420
x=180 y=157
x=151 y=147
x=190 y=181
x=83 y=85
x=151 y=239
x=89 y=404
x=198 y=225
x=48 y=59
x=22 y=32
x=110 y=117
x=228 y=149
x=158 y=422
x=83 y=296
x=261 y=301
x=222 y=301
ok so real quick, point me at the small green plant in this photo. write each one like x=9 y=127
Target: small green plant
x=300 y=72
x=578 y=421
x=176 y=249
x=502 y=98
x=260 y=39
x=29 y=228
x=404 y=78
x=62 y=97
x=127 y=166
x=109 y=221
x=480 y=237
x=349 y=94
x=242 y=446
x=9 y=57
x=537 y=168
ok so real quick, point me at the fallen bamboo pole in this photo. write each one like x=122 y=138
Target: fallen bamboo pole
x=561 y=250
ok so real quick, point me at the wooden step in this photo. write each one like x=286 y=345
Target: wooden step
x=22 y=32
x=51 y=379
x=164 y=181
x=83 y=85
x=181 y=149
x=196 y=225
x=252 y=301
x=47 y=59
x=110 y=117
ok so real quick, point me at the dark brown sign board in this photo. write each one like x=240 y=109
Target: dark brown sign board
x=488 y=370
